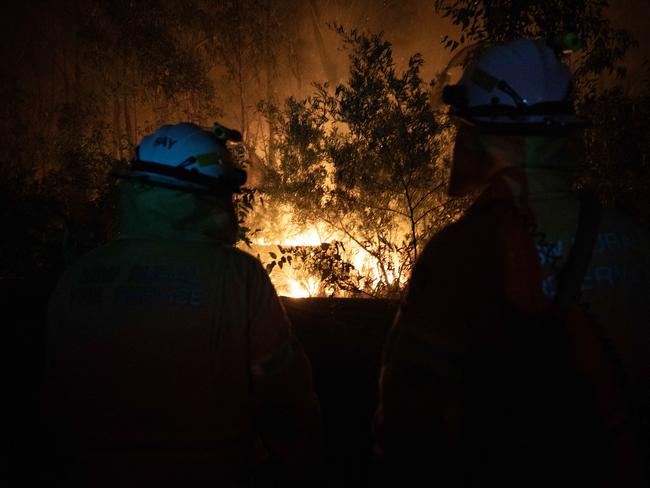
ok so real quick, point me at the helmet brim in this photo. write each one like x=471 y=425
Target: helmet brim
x=530 y=124
x=181 y=179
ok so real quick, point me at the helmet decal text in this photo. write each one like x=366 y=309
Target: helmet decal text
x=166 y=142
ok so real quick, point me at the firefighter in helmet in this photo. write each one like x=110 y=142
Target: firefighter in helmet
x=521 y=329
x=172 y=361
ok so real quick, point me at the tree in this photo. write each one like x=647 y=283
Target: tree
x=617 y=159
x=365 y=160
x=90 y=79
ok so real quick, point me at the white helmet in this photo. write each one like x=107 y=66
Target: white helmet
x=188 y=157
x=520 y=86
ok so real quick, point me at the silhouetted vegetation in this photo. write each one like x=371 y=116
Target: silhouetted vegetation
x=366 y=158
x=82 y=83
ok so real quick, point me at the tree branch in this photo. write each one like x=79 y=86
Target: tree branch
x=374 y=254
x=374 y=207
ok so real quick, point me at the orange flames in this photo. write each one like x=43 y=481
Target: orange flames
x=278 y=230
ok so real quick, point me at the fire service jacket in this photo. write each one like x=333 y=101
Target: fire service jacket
x=172 y=359
x=485 y=380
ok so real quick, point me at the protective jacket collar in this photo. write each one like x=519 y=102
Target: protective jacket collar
x=152 y=212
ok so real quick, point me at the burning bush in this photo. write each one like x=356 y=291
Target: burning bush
x=360 y=167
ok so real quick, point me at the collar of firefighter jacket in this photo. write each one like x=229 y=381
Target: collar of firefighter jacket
x=153 y=212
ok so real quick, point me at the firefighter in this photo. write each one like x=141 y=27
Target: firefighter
x=525 y=322
x=172 y=360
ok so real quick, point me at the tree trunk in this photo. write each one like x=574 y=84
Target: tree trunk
x=116 y=128
x=270 y=74
x=135 y=121
x=77 y=61
x=328 y=66
x=127 y=121
x=64 y=72
x=52 y=82
x=39 y=82
x=240 y=76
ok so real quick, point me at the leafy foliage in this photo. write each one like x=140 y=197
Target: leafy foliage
x=95 y=76
x=618 y=151
x=325 y=265
x=54 y=217
x=246 y=199
x=365 y=159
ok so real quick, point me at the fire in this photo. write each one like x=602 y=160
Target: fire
x=278 y=232
x=310 y=237
x=303 y=289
